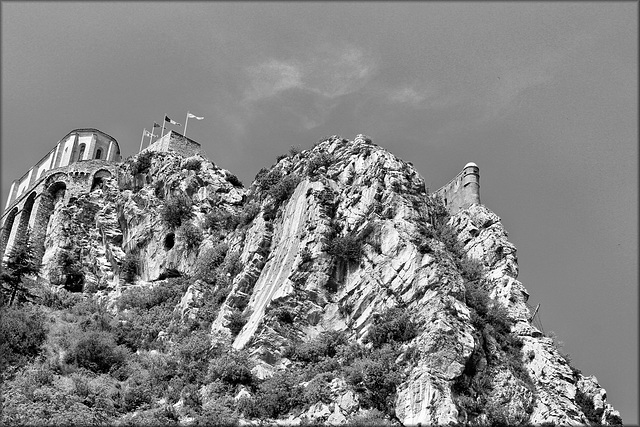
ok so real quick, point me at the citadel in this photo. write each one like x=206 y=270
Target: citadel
x=82 y=159
x=327 y=240
x=76 y=165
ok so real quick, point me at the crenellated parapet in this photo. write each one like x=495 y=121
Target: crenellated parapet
x=463 y=190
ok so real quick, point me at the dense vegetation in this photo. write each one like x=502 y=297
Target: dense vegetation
x=73 y=362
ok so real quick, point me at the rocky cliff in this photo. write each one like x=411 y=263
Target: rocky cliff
x=344 y=239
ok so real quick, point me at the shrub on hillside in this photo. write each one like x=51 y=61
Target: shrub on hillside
x=281 y=191
x=318 y=389
x=347 y=248
x=70 y=267
x=236 y=321
x=59 y=299
x=249 y=212
x=97 y=351
x=233 y=180
x=232 y=368
x=219 y=219
x=318 y=161
x=22 y=333
x=192 y=164
x=394 y=325
x=275 y=397
x=266 y=179
x=375 y=377
x=194 y=352
x=470 y=269
x=191 y=235
x=147 y=297
x=324 y=345
x=208 y=261
x=176 y=210
x=130 y=267
x=294 y=150
x=143 y=163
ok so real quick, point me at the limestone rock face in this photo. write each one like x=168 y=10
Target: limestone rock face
x=338 y=191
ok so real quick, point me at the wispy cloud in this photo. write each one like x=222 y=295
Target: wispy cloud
x=320 y=78
x=272 y=77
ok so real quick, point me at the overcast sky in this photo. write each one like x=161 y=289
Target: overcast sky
x=542 y=96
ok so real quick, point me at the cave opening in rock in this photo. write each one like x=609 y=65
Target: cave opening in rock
x=169 y=241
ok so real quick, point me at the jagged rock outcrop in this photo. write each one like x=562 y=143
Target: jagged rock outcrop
x=457 y=369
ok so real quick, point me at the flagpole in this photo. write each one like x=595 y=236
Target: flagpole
x=151 y=135
x=142 y=139
x=163 y=122
x=186 y=122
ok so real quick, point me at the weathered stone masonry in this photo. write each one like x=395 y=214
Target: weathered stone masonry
x=463 y=190
x=84 y=157
x=77 y=163
x=177 y=143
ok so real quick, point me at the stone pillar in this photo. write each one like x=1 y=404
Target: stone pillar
x=42 y=210
x=25 y=215
x=90 y=150
x=7 y=229
x=109 y=151
x=57 y=157
x=12 y=236
x=13 y=186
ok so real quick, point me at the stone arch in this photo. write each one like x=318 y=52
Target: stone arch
x=56 y=192
x=7 y=227
x=99 y=177
x=19 y=232
x=54 y=178
x=40 y=218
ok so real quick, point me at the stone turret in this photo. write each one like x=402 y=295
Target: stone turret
x=463 y=190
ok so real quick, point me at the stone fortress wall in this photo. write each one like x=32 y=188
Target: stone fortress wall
x=76 y=164
x=463 y=190
x=78 y=145
x=177 y=143
x=85 y=157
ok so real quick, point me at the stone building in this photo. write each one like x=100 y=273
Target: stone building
x=76 y=164
x=463 y=190
x=172 y=141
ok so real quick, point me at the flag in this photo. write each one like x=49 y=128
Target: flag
x=167 y=119
x=193 y=116
x=155 y=125
x=147 y=133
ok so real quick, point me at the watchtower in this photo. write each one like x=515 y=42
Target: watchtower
x=463 y=190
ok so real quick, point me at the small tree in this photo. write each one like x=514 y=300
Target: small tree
x=20 y=263
x=130 y=267
x=176 y=210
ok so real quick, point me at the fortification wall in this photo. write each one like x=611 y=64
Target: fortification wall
x=177 y=143
x=77 y=146
x=463 y=190
x=74 y=166
x=33 y=209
